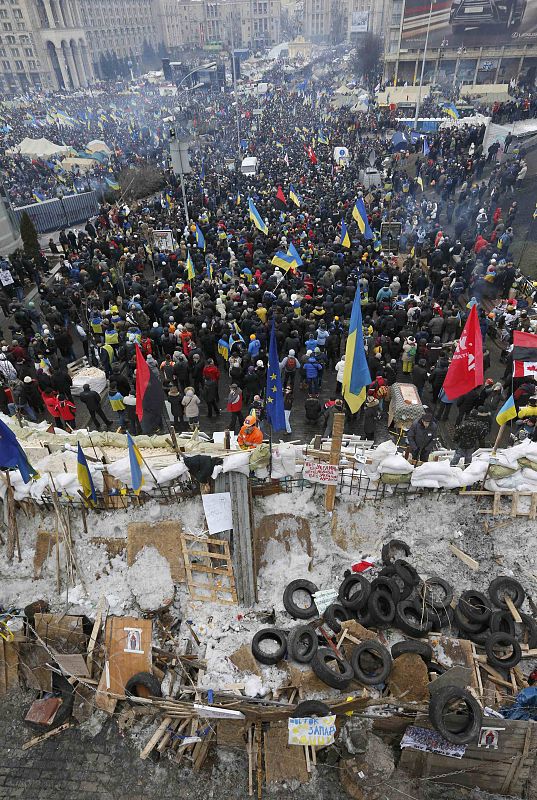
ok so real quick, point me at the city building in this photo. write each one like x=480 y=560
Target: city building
x=468 y=44
x=337 y=21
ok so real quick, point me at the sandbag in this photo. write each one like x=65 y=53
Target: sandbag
x=395 y=464
x=238 y=462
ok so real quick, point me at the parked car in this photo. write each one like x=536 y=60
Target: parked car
x=472 y=13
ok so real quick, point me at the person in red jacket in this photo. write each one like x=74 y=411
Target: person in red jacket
x=50 y=399
x=211 y=371
x=67 y=411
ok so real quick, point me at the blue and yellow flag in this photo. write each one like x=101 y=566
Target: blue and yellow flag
x=283 y=261
x=12 y=454
x=345 y=238
x=293 y=252
x=200 y=238
x=209 y=268
x=256 y=218
x=507 y=411
x=450 y=109
x=38 y=197
x=294 y=196
x=274 y=405
x=112 y=184
x=223 y=349
x=135 y=461
x=322 y=138
x=356 y=375
x=190 y=271
x=360 y=215
x=238 y=199
x=84 y=476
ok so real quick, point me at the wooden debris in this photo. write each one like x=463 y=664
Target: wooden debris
x=335 y=454
x=206 y=582
x=468 y=560
x=155 y=738
x=513 y=609
x=39 y=739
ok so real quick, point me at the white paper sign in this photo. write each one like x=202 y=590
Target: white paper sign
x=321 y=472
x=5 y=277
x=317 y=731
x=164 y=240
x=217 y=508
x=324 y=598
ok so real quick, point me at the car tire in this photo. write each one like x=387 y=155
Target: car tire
x=502 y=622
x=411 y=619
x=296 y=611
x=438 y=714
x=466 y=625
x=395 y=544
x=406 y=572
x=334 y=615
x=381 y=608
x=261 y=655
x=499 y=586
x=409 y=646
x=302 y=644
x=381 y=673
x=337 y=680
x=387 y=585
x=475 y=606
x=363 y=616
x=426 y=592
x=503 y=639
x=440 y=619
x=354 y=592
x=531 y=626
x=311 y=708
x=145 y=679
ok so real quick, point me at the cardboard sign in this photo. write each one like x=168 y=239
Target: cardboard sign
x=324 y=598
x=5 y=277
x=217 y=508
x=321 y=472
x=317 y=731
x=164 y=240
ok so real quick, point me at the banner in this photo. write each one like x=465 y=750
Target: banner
x=164 y=240
x=317 y=731
x=321 y=472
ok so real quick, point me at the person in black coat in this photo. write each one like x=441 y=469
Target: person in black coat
x=371 y=413
x=421 y=437
x=92 y=401
x=419 y=376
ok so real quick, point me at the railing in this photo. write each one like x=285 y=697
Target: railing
x=61 y=212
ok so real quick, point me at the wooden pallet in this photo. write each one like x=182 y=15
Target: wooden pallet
x=200 y=557
x=499 y=510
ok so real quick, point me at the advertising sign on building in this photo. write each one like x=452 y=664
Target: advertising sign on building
x=469 y=23
x=359 y=21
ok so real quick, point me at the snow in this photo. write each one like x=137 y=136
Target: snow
x=150 y=580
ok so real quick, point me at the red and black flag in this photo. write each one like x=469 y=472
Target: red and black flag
x=149 y=396
x=524 y=354
x=281 y=202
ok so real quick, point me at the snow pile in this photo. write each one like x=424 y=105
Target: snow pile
x=150 y=580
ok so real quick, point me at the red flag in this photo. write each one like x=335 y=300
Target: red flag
x=466 y=369
x=142 y=382
x=280 y=196
x=311 y=154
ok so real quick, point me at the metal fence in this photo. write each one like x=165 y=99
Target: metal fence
x=62 y=212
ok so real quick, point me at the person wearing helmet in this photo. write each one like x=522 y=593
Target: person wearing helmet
x=249 y=435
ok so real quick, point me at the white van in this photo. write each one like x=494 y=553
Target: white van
x=249 y=166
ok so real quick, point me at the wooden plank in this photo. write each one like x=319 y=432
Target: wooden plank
x=152 y=743
x=335 y=454
x=63 y=632
x=39 y=739
x=283 y=762
x=513 y=609
x=165 y=536
x=468 y=560
x=123 y=661
x=95 y=631
x=243 y=559
x=9 y=666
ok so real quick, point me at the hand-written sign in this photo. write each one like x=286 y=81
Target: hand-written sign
x=316 y=731
x=321 y=472
x=217 y=508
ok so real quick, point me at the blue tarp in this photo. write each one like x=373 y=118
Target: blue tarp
x=524 y=707
x=399 y=141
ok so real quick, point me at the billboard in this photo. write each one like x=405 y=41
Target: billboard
x=469 y=23
x=359 y=21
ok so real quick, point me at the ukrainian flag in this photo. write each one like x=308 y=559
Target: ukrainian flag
x=356 y=374
x=209 y=268
x=136 y=461
x=360 y=215
x=283 y=261
x=238 y=199
x=112 y=184
x=294 y=196
x=169 y=199
x=450 y=109
x=506 y=412
x=256 y=218
x=200 y=238
x=84 y=476
x=345 y=238
x=223 y=349
x=293 y=252
x=38 y=197
x=190 y=271
x=321 y=138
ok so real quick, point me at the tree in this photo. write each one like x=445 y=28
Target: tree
x=30 y=239
x=367 y=58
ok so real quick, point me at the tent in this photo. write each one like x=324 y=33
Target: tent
x=98 y=146
x=399 y=141
x=82 y=164
x=41 y=148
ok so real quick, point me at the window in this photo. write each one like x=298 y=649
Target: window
x=10 y=39
x=2 y=51
x=28 y=52
x=17 y=13
x=8 y=26
x=6 y=65
x=19 y=65
x=3 y=13
x=32 y=64
x=15 y=51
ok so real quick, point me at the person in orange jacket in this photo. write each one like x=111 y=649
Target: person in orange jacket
x=249 y=435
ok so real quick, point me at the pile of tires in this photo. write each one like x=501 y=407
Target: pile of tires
x=397 y=598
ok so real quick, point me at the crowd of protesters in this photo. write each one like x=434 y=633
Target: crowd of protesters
x=206 y=337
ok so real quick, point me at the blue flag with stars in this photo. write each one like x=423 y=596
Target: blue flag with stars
x=274 y=404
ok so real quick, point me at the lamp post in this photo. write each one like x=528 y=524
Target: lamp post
x=418 y=103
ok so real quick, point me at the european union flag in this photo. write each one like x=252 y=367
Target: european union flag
x=274 y=405
x=12 y=454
